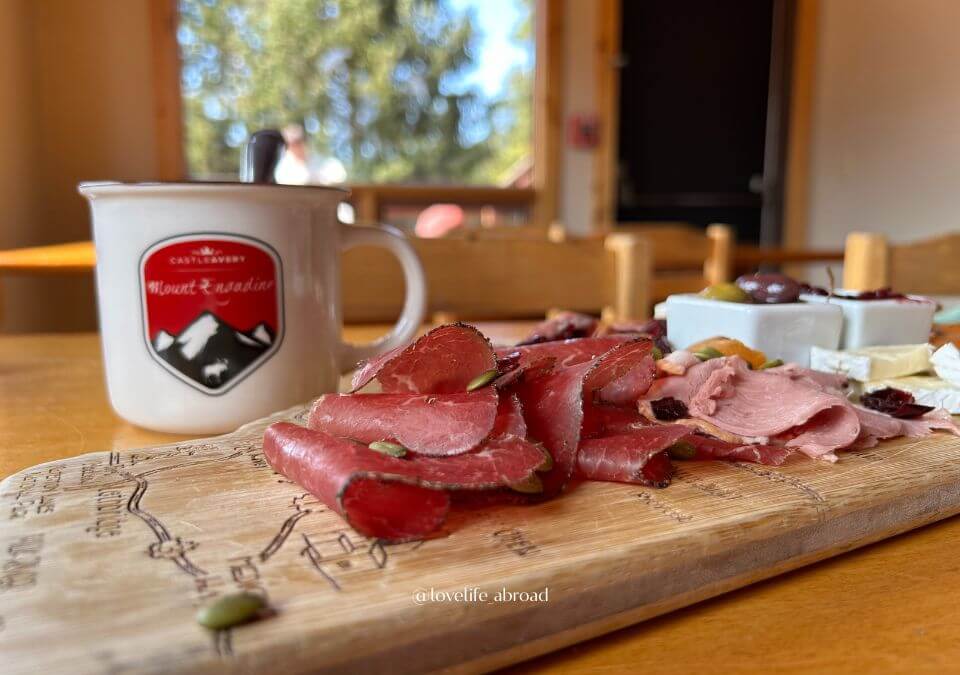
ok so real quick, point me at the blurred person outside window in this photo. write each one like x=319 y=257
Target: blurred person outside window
x=297 y=167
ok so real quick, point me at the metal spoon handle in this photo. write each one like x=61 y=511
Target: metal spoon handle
x=263 y=152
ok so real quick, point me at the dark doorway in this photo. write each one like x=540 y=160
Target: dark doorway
x=703 y=92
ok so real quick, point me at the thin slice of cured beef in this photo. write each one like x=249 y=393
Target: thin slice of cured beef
x=386 y=497
x=443 y=361
x=428 y=424
x=757 y=404
x=566 y=352
x=608 y=420
x=563 y=326
x=527 y=370
x=626 y=458
x=626 y=389
x=553 y=405
x=708 y=448
x=509 y=420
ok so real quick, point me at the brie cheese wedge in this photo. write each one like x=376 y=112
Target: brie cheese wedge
x=873 y=363
x=926 y=390
x=946 y=363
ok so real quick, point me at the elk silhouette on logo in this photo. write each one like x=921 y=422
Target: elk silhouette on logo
x=210 y=351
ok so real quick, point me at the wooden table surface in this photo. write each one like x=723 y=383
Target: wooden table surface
x=890 y=607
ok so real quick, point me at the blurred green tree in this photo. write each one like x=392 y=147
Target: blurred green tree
x=378 y=85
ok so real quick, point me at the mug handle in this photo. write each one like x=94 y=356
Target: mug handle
x=414 y=304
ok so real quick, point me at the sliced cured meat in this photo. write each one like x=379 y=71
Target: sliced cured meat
x=531 y=369
x=828 y=430
x=626 y=389
x=553 y=405
x=624 y=458
x=608 y=420
x=682 y=387
x=711 y=429
x=428 y=424
x=563 y=326
x=757 y=404
x=655 y=329
x=876 y=426
x=509 y=420
x=833 y=382
x=708 y=448
x=386 y=497
x=566 y=352
x=443 y=361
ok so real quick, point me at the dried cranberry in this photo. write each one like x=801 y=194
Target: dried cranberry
x=669 y=409
x=894 y=402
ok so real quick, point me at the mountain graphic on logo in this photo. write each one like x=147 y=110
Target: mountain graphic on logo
x=212 y=352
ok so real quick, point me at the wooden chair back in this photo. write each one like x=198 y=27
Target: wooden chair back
x=685 y=258
x=928 y=267
x=484 y=276
x=505 y=278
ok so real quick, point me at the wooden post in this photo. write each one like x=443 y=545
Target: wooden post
x=866 y=261
x=718 y=267
x=633 y=271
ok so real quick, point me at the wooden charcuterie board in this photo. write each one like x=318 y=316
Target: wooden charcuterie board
x=105 y=558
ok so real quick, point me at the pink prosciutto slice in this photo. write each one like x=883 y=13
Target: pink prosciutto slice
x=553 y=405
x=758 y=404
x=428 y=424
x=682 y=387
x=626 y=458
x=386 y=497
x=443 y=361
x=875 y=426
x=832 y=382
x=708 y=448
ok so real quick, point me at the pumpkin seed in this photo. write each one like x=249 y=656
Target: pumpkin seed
x=388 y=448
x=482 y=380
x=657 y=353
x=547 y=462
x=772 y=364
x=530 y=485
x=682 y=450
x=231 y=610
x=708 y=353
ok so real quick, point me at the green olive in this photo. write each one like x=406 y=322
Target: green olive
x=726 y=292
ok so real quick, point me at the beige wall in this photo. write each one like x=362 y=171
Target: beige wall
x=86 y=112
x=576 y=208
x=886 y=120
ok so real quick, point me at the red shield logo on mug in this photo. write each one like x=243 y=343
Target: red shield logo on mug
x=212 y=307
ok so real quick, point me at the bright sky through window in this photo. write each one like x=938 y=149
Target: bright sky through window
x=410 y=91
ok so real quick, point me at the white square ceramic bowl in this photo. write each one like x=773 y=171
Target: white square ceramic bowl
x=869 y=323
x=780 y=331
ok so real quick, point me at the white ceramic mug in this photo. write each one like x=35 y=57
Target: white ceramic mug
x=220 y=302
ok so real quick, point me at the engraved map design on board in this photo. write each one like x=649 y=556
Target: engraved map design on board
x=152 y=534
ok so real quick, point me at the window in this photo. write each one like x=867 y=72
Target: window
x=373 y=94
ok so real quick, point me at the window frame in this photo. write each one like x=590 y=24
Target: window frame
x=369 y=199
